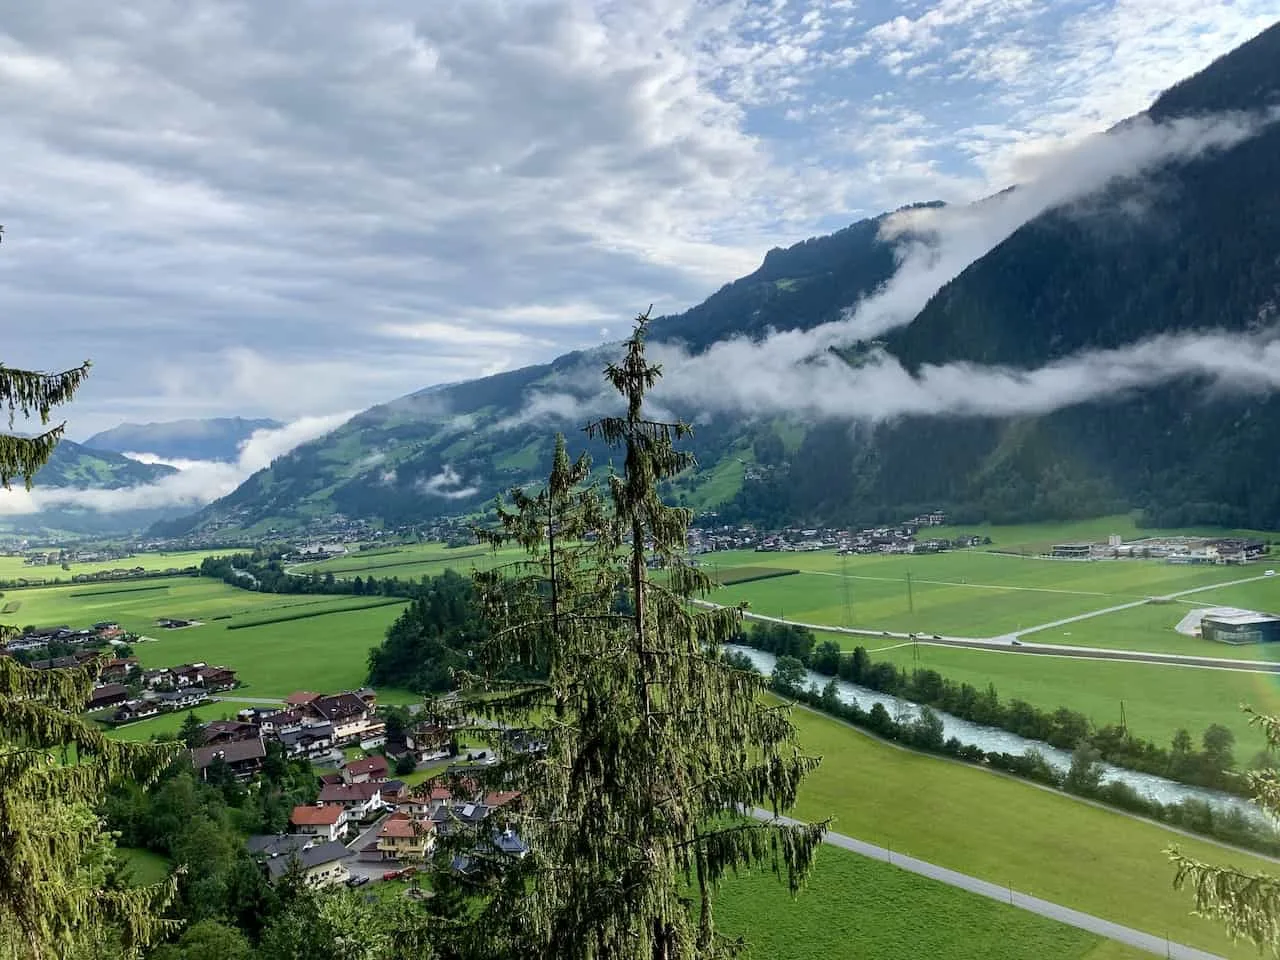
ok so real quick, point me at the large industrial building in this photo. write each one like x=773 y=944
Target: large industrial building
x=1228 y=625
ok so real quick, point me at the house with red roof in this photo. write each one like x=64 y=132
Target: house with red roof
x=327 y=822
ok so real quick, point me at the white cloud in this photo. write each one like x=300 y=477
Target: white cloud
x=224 y=210
x=196 y=483
x=448 y=484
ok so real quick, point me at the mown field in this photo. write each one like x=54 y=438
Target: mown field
x=265 y=637
x=1007 y=832
x=962 y=593
x=12 y=568
x=412 y=561
x=1034 y=538
x=856 y=907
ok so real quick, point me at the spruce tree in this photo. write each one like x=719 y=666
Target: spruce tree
x=55 y=767
x=1246 y=902
x=651 y=748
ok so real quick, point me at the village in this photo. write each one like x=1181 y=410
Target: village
x=365 y=824
x=901 y=538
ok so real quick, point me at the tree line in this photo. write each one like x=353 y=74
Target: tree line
x=1213 y=765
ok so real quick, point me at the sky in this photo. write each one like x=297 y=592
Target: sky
x=300 y=209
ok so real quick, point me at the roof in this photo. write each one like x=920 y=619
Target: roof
x=306 y=815
x=321 y=731
x=370 y=765
x=500 y=798
x=1234 y=617
x=349 y=792
x=317 y=855
x=340 y=706
x=236 y=752
x=400 y=825
x=301 y=697
x=109 y=690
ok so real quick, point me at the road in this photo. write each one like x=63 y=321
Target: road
x=372 y=870
x=1084 y=921
x=1006 y=644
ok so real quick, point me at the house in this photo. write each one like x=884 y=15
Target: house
x=307 y=742
x=370 y=770
x=301 y=699
x=107 y=695
x=132 y=710
x=117 y=668
x=281 y=722
x=351 y=717
x=322 y=863
x=361 y=800
x=326 y=822
x=395 y=792
x=402 y=837
x=244 y=757
x=227 y=731
x=107 y=629
x=182 y=699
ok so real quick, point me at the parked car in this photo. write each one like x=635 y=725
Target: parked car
x=391 y=875
x=359 y=881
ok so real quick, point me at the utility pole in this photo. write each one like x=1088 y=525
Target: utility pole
x=911 y=604
x=848 y=598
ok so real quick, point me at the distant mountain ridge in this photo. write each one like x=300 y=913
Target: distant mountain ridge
x=211 y=439
x=1201 y=256
x=78 y=465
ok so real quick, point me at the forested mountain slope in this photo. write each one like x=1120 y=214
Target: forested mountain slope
x=1194 y=246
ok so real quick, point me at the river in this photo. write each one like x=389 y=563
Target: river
x=994 y=740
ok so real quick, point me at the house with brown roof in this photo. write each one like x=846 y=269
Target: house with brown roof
x=244 y=757
x=327 y=822
x=402 y=837
x=107 y=695
x=227 y=731
x=361 y=800
x=369 y=770
x=301 y=699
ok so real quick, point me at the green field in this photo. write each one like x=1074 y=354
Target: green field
x=412 y=561
x=1007 y=832
x=145 y=867
x=1034 y=538
x=856 y=907
x=13 y=568
x=962 y=593
x=324 y=652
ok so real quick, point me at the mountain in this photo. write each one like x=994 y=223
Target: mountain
x=1189 y=248
x=79 y=465
x=215 y=439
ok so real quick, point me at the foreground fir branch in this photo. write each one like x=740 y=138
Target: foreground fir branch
x=641 y=749
x=55 y=768
x=1247 y=904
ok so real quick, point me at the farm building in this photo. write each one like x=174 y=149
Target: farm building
x=1073 y=551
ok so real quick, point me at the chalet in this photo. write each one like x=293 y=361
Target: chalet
x=309 y=742
x=244 y=757
x=107 y=695
x=326 y=822
x=281 y=722
x=351 y=717
x=107 y=629
x=361 y=800
x=370 y=770
x=322 y=863
x=77 y=659
x=183 y=699
x=402 y=837
x=132 y=710
x=227 y=731
x=301 y=699
x=395 y=792
x=117 y=668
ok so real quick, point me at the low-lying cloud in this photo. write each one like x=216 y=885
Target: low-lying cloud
x=448 y=483
x=795 y=372
x=196 y=483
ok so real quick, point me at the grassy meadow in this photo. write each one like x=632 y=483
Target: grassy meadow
x=856 y=907
x=13 y=568
x=412 y=561
x=265 y=637
x=145 y=866
x=1007 y=832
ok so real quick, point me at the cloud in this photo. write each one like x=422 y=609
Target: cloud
x=196 y=483
x=291 y=209
x=448 y=484
x=795 y=372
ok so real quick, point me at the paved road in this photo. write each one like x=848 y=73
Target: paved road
x=1084 y=921
x=261 y=701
